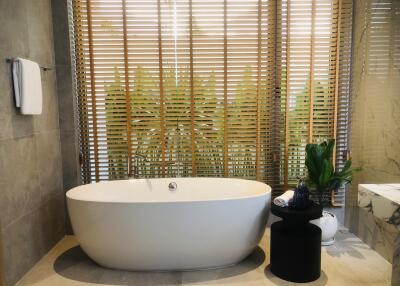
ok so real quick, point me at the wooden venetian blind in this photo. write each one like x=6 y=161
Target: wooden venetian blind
x=381 y=46
x=187 y=84
x=314 y=70
x=227 y=88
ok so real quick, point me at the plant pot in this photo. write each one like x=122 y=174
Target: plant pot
x=329 y=225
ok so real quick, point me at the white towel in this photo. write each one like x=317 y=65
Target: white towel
x=27 y=86
x=284 y=199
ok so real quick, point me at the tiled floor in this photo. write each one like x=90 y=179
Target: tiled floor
x=348 y=262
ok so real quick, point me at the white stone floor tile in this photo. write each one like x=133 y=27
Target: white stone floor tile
x=348 y=262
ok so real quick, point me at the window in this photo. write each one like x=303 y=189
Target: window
x=227 y=88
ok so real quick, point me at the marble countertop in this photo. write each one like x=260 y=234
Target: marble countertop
x=382 y=200
x=388 y=191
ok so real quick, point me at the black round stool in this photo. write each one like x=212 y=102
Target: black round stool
x=296 y=244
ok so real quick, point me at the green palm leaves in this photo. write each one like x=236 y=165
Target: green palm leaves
x=322 y=175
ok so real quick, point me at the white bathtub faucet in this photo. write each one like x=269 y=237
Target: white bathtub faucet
x=133 y=171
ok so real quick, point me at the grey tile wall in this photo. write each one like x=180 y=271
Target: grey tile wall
x=32 y=216
x=68 y=118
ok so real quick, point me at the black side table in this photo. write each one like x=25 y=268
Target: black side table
x=296 y=244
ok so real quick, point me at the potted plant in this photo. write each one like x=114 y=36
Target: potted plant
x=322 y=178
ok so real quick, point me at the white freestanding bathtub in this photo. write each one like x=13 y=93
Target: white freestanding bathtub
x=140 y=224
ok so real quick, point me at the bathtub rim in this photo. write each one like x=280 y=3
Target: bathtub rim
x=267 y=193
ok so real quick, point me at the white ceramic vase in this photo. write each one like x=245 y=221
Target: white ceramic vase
x=329 y=225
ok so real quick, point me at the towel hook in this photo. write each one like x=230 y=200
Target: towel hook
x=8 y=60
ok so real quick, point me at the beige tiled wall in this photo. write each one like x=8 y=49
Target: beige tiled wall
x=375 y=117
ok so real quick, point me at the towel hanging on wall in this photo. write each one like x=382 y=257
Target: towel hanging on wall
x=27 y=86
